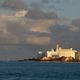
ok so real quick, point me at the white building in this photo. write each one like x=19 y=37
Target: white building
x=59 y=52
x=52 y=53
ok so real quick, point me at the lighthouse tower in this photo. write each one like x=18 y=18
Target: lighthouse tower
x=57 y=48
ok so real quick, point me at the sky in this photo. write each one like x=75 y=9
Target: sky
x=29 y=26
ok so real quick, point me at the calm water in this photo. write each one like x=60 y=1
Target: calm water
x=39 y=71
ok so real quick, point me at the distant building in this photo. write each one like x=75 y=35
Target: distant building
x=59 y=52
x=77 y=56
x=40 y=54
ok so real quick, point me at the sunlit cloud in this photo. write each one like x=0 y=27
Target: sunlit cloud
x=17 y=29
x=36 y=40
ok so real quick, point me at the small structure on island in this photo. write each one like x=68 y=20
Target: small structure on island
x=59 y=52
x=40 y=54
x=77 y=56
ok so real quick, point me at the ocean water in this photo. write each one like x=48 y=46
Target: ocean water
x=39 y=71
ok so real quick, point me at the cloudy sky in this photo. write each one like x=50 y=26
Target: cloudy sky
x=44 y=24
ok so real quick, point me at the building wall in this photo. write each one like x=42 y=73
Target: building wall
x=51 y=53
x=61 y=52
x=67 y=53
x=77 y=56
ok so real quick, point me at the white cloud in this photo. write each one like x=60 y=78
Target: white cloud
x=22 y=13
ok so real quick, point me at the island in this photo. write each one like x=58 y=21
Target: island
x=58 y=54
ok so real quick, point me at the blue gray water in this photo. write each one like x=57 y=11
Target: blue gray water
x=39 y=71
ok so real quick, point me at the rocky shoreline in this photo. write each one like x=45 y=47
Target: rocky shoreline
x=60 y=59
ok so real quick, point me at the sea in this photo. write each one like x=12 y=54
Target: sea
x=34 y=70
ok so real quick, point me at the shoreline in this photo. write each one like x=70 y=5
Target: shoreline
x=56 y=61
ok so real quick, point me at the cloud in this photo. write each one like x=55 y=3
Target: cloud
x=17 y=29
x=45 y=1
x=36 y=31
x=75 y=25
x=41 y=25
x=37 y=40
x=54 y=1
x=74 y=28
x=35 y=12
x=14 y=4
x=21 y=13
x=76 y=22
x=62 y=35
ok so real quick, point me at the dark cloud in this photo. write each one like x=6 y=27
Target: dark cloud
x=22 y=30
x=55 y=1
x=1 y=2
x=35 y=13
x=14 y=4
x=76 y=25
x=45 y=1
x=76 y=22
x=51 y=15
x=34 y=10
x=38 y=13
x=36 y=4
x=65 y=37
x=49 y=1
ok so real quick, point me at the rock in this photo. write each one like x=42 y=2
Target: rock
x=66 y=59
x=46 y=59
